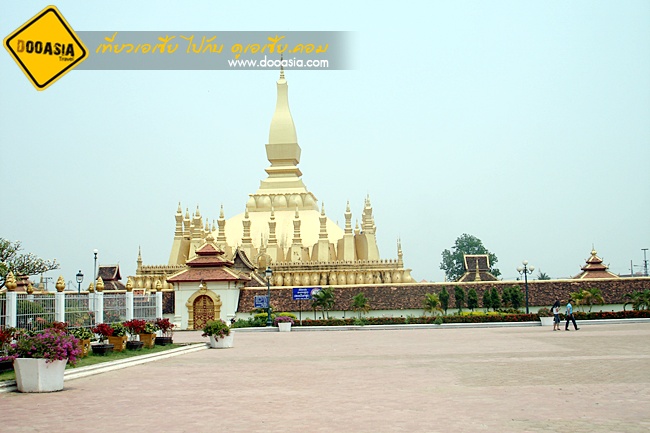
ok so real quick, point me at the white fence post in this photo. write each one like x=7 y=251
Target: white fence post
x=12 y=300
x=59 y=300
x=99 y=301
x=129 y=299
x=12 y=309
x=129 y=305
x=159 y=304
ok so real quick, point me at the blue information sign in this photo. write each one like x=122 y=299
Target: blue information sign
x=304 y=293
x=261 y=301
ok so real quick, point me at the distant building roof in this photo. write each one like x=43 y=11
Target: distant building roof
x=594 y=269
x=477 y=268
x=111 y=277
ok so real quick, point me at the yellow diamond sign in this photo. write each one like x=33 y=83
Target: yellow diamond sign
x=45 y=47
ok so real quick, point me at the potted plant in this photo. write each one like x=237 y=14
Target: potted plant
x=41 y=358
x=167 y=330
x=7 y=336
x=134 y=327
x=104 y=331
x=545 y=316
x=119 y=337
x=148 y=335
x=84 y=335
x=283 y=323
x=219 y=332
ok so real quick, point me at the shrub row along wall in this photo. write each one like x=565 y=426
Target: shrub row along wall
x=411 y=296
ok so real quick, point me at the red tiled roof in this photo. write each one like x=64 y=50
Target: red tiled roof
x=207 y=274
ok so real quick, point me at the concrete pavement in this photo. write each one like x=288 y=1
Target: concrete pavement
x=521 y=379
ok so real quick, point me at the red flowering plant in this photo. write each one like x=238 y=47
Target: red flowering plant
x=104 y=330
x=135 y=327
x=7 y=336
x=52 y=344
x=165 y=326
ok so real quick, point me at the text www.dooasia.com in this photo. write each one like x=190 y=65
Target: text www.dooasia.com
x=292 y=63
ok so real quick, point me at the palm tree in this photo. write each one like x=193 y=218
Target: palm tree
x=324 y=299
x=593 y=296
x=578 y=297
x=640 y=300
x=432 y=303
x=360 y=304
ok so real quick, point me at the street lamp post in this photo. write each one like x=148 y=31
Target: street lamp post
x=268 y=273
x=95 y=251
x=526 y=270
x=645 y=262
x=80 y=279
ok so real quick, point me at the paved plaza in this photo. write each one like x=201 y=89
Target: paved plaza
x=519 y=379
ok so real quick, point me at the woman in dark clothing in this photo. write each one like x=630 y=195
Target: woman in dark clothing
x=556 y=315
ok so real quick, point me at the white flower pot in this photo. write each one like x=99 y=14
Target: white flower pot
x=222 y=343
x=38 y=375
x=284 y=326
x=546 y=321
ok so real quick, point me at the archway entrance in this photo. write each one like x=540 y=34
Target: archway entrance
x=203 y=305
x=203 y=311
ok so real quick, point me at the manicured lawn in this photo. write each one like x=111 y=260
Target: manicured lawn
x=92 y=359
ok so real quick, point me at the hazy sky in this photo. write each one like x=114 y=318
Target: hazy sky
x=524 y=123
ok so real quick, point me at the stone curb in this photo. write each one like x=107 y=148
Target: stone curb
x=76 y=373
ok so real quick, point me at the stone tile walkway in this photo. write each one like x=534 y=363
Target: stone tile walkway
x=416 y=380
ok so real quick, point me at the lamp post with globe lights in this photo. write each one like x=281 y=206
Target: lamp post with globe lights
x=80 y=279
x=268 y=273
x=526 y=270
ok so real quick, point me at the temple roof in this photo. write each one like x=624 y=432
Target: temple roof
x=477 y=268
x=594 y=268
x=110 y=275
x=208 y=265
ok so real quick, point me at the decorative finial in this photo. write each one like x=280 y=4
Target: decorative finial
x=60 y=284
x=10 y=282
x=100 y=284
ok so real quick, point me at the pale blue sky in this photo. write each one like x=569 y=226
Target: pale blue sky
x=526 y=124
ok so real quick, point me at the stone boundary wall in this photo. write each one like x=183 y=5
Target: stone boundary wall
x=411 y=296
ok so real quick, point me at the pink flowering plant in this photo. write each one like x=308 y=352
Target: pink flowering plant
x=283 y=319
x=51 y=344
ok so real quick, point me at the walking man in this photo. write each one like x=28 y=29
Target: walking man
x=569 y=316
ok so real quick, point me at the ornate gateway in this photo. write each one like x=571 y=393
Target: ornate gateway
x=203 y=305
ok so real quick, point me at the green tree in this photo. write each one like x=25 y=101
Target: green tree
x=360 y=304
x=324 y=299
x=459 y=297
x=517 y=297
x=513 y=297
x=495 y=299
x=472 y=299
x=487 y=300
x=444 y=299
x=453 y=263
x=11 y=260
x=432 y=303
x=543 y=276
